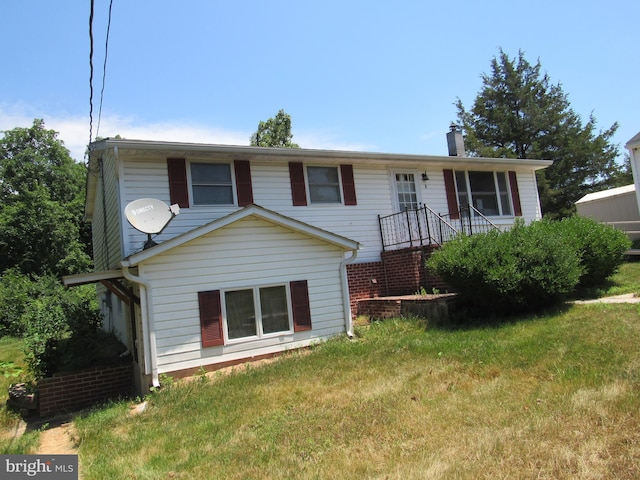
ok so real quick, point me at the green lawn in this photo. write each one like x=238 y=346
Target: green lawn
x=550 y=397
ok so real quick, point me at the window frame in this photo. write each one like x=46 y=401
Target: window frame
x=258 y=314
x=396 y=192
x=498 y=194
x=234 y=191
x=308 y=185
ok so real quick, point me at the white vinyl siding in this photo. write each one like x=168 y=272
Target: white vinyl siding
x=107 y=241
x=147 y=177
x=225 y=260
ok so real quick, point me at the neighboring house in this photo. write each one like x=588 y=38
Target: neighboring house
x=617 y=207
x=633 y=146
x=272 y=247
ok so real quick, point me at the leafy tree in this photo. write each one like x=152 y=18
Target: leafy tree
x=41 y=204
x=275 y=132
x=519 y=113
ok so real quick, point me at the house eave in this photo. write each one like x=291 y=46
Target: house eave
x=134 y=147
x=634 y=142
x=91 y=277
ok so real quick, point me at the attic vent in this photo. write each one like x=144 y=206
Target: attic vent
x=455 y=141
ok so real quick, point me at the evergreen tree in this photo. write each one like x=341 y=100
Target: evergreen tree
x=519 y=113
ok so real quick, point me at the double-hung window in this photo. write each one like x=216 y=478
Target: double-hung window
x=258 y=311
x=324 y=185
x=209 y=183
x=488 y=192
x=212 y=184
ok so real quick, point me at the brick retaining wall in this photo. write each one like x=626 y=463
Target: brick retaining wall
x=73 y=391
x=401 y=272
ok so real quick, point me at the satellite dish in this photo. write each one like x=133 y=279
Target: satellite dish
x=150 y=216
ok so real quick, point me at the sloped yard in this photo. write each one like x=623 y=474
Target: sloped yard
x=549 y=397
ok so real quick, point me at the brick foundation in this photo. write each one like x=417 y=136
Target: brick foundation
x=401 y=272
x=68 y=392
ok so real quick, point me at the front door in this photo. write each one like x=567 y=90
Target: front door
x=406 y=191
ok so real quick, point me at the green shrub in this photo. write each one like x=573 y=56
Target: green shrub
x=16 y=291
x=45 y=324
x=52 y=318
x=522 y=269
x=600 y=247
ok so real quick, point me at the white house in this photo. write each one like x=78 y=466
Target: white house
x=633 y=146
x=617 y=207
x=272 y=247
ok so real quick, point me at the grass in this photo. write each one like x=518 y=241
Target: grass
x=626 y=280
x=554 y=396
x=13 y=370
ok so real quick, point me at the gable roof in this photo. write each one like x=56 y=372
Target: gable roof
x=612 y=192
x=250 y=211
x=634 y=141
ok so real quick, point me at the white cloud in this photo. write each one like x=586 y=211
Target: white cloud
x=74 y=131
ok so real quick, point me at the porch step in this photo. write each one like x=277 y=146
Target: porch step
x=432 y=307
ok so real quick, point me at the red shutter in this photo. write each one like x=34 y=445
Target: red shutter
x=452 y=198
x=515 y=194
x=300 y=306
x=210 y=318
x=298 y=188
x=178 y=189
x=348 y=185
x=243 y=182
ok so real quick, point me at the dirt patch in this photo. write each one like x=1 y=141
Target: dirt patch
x=59 y=440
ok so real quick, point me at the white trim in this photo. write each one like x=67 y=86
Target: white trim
x=336 y=155
x=232 y=174
x=257 y=310
x=92 y=277
x=394 y=185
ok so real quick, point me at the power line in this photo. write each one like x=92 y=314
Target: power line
x=91 y=72
x=104 y=67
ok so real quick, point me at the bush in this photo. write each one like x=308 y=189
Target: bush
x=45 y=324
x=53 y=317
x=16 y=292
x=600 y=247
x=522 y=269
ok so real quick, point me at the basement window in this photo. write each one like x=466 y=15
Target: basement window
x=257 y=311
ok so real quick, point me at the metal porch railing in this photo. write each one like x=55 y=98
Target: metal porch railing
x=423 y=226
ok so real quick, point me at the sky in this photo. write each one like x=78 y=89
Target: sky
x=353 y=75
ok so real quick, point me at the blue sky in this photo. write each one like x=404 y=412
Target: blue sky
x=363 y=75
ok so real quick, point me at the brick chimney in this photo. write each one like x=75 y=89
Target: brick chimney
x=455 y=141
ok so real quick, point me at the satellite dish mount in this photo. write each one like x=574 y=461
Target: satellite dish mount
x=150 y=216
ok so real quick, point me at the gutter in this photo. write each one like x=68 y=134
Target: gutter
x=146 y=311
x=346 y=298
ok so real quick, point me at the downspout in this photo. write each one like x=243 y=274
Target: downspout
x=148 y=319
x=346 y=299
